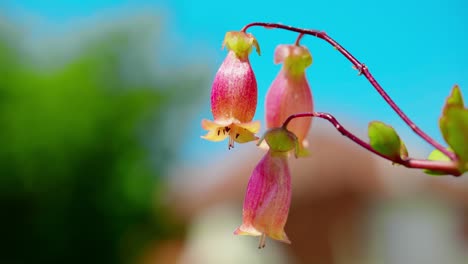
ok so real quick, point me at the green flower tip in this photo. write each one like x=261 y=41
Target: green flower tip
x=280 y=140
x=240 y=43
x=295 y=58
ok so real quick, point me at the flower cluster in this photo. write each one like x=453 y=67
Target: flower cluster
x=289 y=109
x=233 y=105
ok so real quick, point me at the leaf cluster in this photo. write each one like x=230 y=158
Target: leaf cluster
x=453 y=125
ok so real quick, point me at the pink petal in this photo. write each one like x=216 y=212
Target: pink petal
x=234 y=90
x=268 y=198
x=288 y=96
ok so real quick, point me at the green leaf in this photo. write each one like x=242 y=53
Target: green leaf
x=437 y=155
x=455 y=99
x=384 y=139
x=454 y=128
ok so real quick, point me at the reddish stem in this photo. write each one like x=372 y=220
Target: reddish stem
x=299 y=39
x=362 y=68
x=443 y=166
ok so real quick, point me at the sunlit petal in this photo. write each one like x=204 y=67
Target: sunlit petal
x=268 y=198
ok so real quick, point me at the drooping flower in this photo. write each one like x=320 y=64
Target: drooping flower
x=234 y=93
x=268 y=196
x=290 y=92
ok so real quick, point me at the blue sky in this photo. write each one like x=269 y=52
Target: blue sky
x=416 y=49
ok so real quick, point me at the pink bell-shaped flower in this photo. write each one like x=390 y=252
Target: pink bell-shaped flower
x=268 y=196
x=234 y=93
x=290 y=92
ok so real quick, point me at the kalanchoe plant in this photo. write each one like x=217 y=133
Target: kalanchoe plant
x=288 y=115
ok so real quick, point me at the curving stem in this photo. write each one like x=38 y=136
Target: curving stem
x=448 y=167
x=363 y=70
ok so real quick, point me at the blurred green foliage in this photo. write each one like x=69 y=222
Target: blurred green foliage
x=77 y=184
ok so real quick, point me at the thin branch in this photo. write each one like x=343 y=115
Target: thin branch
x=448 y=167
x=362 y=68
x=299 y=39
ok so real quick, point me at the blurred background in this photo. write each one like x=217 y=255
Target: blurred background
x=101 y=159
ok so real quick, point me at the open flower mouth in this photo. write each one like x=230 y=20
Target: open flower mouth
x=234 y=130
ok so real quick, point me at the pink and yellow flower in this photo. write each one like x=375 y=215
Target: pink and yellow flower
x=290 y=92
x=268 y=196
x=267 y=200
x=234 y=93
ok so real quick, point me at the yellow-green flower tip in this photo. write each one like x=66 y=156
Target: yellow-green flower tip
x=240 y=43
x=295 y=58
x=280 y=140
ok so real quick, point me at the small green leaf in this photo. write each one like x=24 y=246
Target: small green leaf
x=384 y=139
x=438 y=156
x=455 y=99
x=454 y=128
